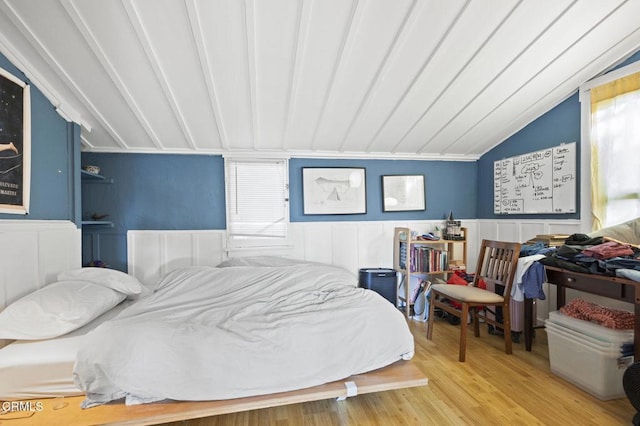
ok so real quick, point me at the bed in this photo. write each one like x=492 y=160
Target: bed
x=291 y=331
x=44 y=368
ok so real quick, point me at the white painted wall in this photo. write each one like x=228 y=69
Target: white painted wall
x=32 y=253
x=352 y=245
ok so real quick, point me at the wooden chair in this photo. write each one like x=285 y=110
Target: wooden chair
x=497 y=263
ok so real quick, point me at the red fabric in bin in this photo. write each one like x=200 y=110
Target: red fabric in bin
x=457 y=279
x=616 y=319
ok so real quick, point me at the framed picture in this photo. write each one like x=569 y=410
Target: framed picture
x=403 y=193
x=15 y=144
x=339 y=190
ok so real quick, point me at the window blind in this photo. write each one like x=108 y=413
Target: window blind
x=257 y=202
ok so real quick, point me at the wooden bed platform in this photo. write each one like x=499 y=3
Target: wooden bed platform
x=67 y=411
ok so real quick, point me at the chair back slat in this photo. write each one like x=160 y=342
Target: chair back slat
x=497 y=264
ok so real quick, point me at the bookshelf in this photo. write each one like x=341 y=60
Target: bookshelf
x=417 y=257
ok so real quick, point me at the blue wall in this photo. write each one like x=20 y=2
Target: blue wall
x=559 y=125
x=54 y=147
x=166 y=191
x=449 y=185
x=157 y=191
x=149 y=191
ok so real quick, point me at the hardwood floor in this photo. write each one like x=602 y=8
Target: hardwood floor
x=490 y=388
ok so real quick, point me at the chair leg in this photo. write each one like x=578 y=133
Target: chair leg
x=431 y=313
x=476 y=323
x=506 y=327
x=463 y=332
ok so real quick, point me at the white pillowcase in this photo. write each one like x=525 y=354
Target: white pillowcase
x=56 y=309
x=110 y=278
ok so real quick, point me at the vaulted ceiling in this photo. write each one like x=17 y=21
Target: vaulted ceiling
x=421 y=78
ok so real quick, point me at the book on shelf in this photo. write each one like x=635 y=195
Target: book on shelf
x=428 y=259
x=423 y=287
x=418 y=284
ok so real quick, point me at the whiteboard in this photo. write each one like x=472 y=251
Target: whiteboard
x=537 y=182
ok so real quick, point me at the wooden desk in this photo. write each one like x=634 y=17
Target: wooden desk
x=601 y=285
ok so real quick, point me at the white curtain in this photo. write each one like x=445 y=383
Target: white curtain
x=615 y=139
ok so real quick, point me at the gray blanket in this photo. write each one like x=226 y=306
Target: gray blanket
x=219 y=333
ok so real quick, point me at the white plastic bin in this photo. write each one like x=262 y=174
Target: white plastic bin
x=595 y=366
x=591 y=329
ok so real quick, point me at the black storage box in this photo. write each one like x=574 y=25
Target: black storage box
x=381 y=280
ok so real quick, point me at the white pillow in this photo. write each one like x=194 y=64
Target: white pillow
x=56 y=309
x=626 y=232
x=110 y=278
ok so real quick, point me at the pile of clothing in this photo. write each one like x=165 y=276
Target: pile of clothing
x=595 y=255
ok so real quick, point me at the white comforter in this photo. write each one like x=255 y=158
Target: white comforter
x=219 y=333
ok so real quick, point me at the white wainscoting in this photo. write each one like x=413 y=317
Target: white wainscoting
x=352 y=245
x=32 y=253
x=523 y=230
x=355 y=245
x=151 y=254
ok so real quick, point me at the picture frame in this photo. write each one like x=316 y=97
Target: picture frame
x=334 y=190
x=15 y=144
x=403 y=193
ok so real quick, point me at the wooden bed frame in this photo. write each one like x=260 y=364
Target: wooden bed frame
x=67 y=411
x=42 y=249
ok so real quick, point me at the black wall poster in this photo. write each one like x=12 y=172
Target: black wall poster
x=15 y=144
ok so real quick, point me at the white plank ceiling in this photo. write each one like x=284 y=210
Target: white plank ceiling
x=443 y=79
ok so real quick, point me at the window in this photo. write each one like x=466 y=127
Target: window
x=614 y=136
x=257 y=202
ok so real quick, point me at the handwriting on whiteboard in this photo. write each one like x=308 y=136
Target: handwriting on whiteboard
x=537 y=182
